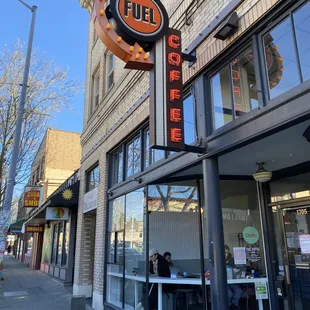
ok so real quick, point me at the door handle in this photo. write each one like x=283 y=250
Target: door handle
x=287 y=275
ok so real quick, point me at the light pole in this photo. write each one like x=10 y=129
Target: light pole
x=19 y=121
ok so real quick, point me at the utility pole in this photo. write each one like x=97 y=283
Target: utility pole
x=19 y=121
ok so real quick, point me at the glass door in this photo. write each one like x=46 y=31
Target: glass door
x=296 y=254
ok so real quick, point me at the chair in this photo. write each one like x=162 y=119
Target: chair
x=182 y=298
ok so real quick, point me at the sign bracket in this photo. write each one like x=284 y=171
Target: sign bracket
x=195 y=149
x=190 y=58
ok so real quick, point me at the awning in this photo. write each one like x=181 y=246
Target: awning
x=17 y=226
x=68 y=197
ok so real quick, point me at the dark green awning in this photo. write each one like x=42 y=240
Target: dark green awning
x=17 y=226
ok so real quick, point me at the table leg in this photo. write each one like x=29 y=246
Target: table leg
x=160 y=296
x=260 y=304
x=136 y=293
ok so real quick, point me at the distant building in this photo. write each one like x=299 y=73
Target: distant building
x=57 y=158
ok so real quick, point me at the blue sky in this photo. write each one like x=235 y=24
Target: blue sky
x=61 y=32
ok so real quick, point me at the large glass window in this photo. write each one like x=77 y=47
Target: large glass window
x=280 y=59
x=92 y=179
x=133 y=156
x=60 y=243
x=110 y=70
x=151 y=155
x=66 y=243
x=287 y=52
x=221 y=98
x=234 y=89
x=55 y=239
x=189 y=119
x=126 y=250
x=302 y=26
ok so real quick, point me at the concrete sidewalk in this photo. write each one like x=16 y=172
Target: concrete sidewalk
x=27 y=289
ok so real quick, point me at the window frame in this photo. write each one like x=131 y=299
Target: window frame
x=288 y=13
x=111 y=72
x=95 y=97
x=250 y=42
x=88 y=177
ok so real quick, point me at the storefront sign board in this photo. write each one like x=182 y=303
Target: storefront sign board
x=90 y=200
x=57 y=213
x=35 y=229
x=32 y=196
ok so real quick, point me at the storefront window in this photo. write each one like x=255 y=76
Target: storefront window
x=151 y=155
x=234 y=89
x=302 y=25
x=244 y=245
x=66 y=243
x=92 y=179
x=133 y=157
x=280 y=59
x=60 y=240
x=221 y=98
x=244 y=83
x=126 y=252
x=174 y=231
x=55 y=239
x=189 y=119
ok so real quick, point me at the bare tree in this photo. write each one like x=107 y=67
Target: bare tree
x=50 y=90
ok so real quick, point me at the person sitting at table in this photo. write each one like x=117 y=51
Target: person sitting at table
x=234 y=290
x=159 y=267
x=167 y=256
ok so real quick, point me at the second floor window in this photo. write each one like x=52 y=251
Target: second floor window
x=234 y=89
x=92 y=179
x=95 y=92
x=110 y=71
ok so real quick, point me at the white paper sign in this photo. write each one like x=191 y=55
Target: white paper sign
x=239 y=256
x=261 y=290
x=304 y=241
x=90 y=200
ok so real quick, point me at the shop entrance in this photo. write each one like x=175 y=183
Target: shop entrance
x=293 y=247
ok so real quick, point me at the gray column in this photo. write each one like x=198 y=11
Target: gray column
x=217 y=266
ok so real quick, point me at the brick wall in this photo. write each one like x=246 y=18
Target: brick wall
x=128 y=87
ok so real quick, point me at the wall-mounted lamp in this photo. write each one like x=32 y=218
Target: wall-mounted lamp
x=230 y=25
x=110 y=193
x=262 y=175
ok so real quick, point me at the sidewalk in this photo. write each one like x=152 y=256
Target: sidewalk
x=27 y=289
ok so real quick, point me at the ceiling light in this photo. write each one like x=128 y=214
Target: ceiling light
x=262 y=175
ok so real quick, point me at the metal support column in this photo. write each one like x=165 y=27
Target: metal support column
x=217 y=266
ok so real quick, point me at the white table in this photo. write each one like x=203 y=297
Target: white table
x=180 y=280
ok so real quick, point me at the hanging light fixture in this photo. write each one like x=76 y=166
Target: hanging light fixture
x=262 y=175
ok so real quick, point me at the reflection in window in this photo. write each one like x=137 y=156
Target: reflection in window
x=280 y=59
x=60 y=240
x=110 y=71
x=302 y=25
x=244 y=83
x=55 y=239
x=189 y=120
x=118 y=160
x=221 y=98
x=66 y=243
x=133 y=156
x=151 y=155
x=92 y=179
x=117 y=214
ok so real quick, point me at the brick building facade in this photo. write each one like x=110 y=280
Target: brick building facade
x=117 y=104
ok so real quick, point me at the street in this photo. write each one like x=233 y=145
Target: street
x=24 y=288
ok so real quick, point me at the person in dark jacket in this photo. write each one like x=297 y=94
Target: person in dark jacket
x=158 y=267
